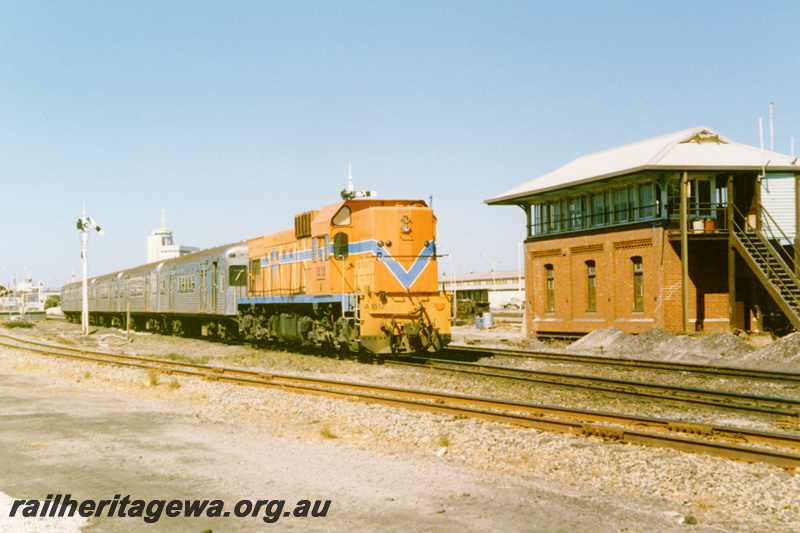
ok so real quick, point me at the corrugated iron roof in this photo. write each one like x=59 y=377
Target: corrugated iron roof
x=695 y=149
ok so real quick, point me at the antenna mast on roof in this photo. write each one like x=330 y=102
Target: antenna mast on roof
x=761 y=137
x=163 y=219
x=771 y=126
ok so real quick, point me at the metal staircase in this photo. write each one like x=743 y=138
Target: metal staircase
x=769 y=261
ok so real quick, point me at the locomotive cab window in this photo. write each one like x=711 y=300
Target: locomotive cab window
x=342 y=217
x=340 y=246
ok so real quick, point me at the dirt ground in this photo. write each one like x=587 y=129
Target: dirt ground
x=94 y=444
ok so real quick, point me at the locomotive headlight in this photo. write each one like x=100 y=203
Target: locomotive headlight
x=404 y=220
x=405 y=228
x=380 y=244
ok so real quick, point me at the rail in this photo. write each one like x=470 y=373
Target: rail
x=460 y=352
x=718 y=440
x=748 y=404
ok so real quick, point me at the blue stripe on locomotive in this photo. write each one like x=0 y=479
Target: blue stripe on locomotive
x=405 y=277
x=348 y=299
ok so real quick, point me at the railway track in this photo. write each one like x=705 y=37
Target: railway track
x=735 y=443
x=748 y=404
x=473 y=352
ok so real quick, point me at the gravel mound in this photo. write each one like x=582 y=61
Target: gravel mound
x=725 y=345
x=784 y=350
x=647 y=342
x=660 y=345
x=600 y=340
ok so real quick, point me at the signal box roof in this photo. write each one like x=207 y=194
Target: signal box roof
x=696 y=149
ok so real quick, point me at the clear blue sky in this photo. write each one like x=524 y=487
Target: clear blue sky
x=235 y=116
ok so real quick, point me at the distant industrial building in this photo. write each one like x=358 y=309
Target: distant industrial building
x=686 y=232
x=497 y=289
x=160 y=245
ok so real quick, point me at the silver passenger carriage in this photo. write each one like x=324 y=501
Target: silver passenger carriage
x=194 y=294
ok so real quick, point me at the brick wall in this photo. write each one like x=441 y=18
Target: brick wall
x=613 y=254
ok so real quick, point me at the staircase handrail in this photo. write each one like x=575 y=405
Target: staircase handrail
x=773 y=224
x=772 y=274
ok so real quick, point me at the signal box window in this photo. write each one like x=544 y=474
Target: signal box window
x=638 y=284
x=591 y=287
x=550 y=292
x=340 y=246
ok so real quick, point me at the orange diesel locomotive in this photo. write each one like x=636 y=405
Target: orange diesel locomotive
x=360 y=275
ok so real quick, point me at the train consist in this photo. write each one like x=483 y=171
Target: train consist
x=357 y=276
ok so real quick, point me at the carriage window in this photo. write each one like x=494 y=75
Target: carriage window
x=238 y=276
x=342 y=217
x=340 y=246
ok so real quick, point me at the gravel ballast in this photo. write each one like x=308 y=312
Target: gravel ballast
x=668 y=488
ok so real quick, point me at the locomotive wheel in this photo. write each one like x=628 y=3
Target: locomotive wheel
x=343 y=353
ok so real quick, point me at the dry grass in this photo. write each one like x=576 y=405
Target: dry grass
x=18 y=324
x=328 y=433
x=184 y=358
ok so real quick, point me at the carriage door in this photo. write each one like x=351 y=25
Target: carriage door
x=146 y=291
x=124 y=290
x=203 y=286
x=121 y=295
x=214 y=286
x=171 y=290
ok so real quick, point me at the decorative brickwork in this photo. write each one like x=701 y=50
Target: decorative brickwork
x=588 y=249
x=633 y=244
x=541 y=254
